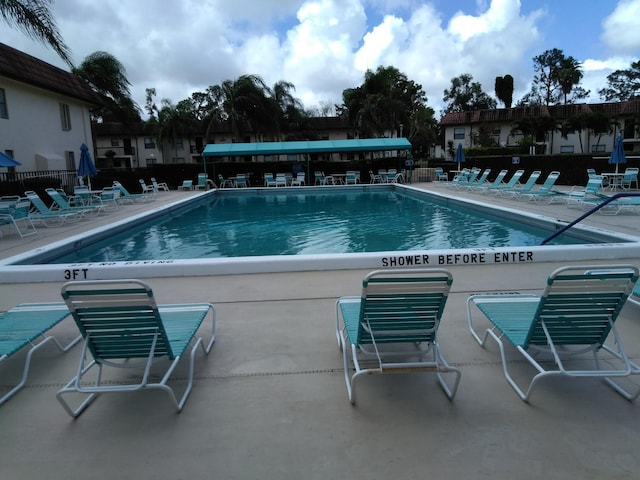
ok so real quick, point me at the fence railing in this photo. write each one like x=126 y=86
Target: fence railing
x=12 y=183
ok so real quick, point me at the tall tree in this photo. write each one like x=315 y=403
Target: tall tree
x=556 y=77
x=382 y=103
x=174 y=123
x=568 y=75
x=466 y=95
x=623 y=85
x=288 y=110
x=107 y=76
x=545 y=80
x=504 y=90
x=34 y=18
x=245 y=105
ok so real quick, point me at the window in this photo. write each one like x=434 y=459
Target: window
x=4 y=112
x=115 y=142
x=566 y=148
x=152 y=160
x=598 y=148
x=70 y=160
x=178 y=143
x=65 y=117
x=149 y=143
x=458 y=133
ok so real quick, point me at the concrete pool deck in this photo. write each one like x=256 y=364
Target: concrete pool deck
x=270 y=401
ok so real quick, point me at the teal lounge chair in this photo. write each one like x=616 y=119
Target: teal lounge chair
x=394 y=325
x=124 y=328
x=14 y=212
x=544 y=191
x=203 y=178
x=577 y=195
x=269 y=181
x=241 y=180
x=621 y=205
x=149 y=189
x=281 y=180
x=574 y=315
x=63 y=204
x=110 y=198
x=225 y=182
x=44 y=215
x=27 y=325
x=629 y=179
x=299 y=180
x=480 y=181
x=508 y=185
x=495 y=183
x=441 y=175
x=157 y=186
x=526 y=188
x=471 y=178
x=350 y=178
x=127 y=197
x=186 y=185
x=461 y=178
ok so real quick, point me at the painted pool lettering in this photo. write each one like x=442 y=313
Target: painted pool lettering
x=76 y=274
x=405 y=260
x=458 y=259
x=513 y=257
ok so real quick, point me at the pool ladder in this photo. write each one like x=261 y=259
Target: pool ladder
x=588 y=213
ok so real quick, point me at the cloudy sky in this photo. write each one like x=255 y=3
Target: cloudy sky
x=325 y=46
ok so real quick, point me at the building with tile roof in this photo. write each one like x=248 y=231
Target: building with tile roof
x=44 y=112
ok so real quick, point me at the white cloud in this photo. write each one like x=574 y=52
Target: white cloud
x=621 y=28
x=325 y=46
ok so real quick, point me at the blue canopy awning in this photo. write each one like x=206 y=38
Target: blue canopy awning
x=315 y=146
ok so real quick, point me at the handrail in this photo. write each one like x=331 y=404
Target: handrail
x=593 y=210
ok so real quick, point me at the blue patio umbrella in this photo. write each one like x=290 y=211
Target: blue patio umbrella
x=7 y=161
x=86 y=168
x=617 y=155
x=459 y=157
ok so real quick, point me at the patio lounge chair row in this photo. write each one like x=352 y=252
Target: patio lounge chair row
x=382 y=331
x=392 y=327
x=23 y=212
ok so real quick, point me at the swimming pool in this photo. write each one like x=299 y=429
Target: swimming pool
x=241 y=225
x=313 y=247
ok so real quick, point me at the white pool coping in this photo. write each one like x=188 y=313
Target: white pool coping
x=627 y=247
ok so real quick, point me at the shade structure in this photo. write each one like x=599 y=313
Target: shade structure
x=459 y=156
x=86 y=167
x=617 y=155
x=7 y=161
x=306 y=147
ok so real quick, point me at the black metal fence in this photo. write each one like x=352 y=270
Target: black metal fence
x=16 y=183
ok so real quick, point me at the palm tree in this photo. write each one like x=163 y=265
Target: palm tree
x=108 y=77
x=245 y=104
x=568 y=75
x=287 y=108
x=34 y=18
x=174 y=123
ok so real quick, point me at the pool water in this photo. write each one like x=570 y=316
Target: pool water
x=293 y=224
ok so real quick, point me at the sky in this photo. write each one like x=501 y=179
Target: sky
x=325 y=46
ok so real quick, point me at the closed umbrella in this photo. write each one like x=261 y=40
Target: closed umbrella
x=459 y=157
x=7 y=161
x=86 y=168
x=617 y=155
